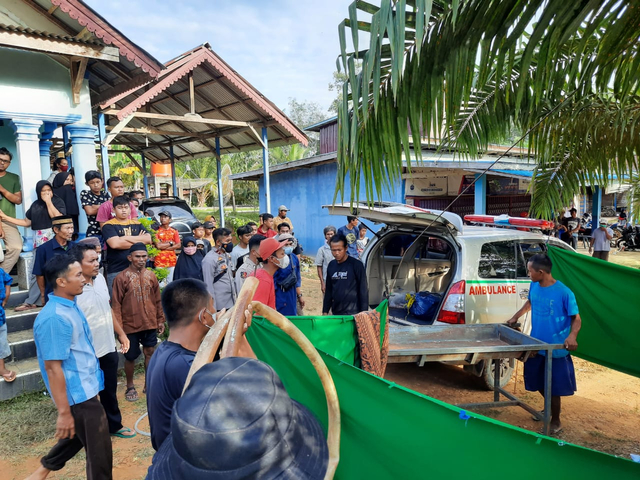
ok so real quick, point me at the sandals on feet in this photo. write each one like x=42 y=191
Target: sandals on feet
x=122 y=433
x=25 y=306
x=131 y=394
x=9 y=377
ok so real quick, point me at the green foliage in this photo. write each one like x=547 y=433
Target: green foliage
x=467 y=73
x=160 y=273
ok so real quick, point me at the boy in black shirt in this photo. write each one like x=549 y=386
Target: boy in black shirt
x=346 y=285
x=120 y=234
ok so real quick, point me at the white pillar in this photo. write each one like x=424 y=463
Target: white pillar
x=84 y=159
x=27 y=132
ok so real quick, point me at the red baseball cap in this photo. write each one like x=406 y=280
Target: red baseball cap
x=268 y=246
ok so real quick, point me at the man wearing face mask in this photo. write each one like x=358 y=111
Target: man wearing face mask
x=216 y=270
x=287 y=278
x=273 y=258
x=189 y=310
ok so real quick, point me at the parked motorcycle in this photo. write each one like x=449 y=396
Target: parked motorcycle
x=630 y=238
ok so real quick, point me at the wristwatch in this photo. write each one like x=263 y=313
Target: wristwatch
x=171 y=243
x=299 y=295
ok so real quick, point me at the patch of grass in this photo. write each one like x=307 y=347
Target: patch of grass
x=25 y=420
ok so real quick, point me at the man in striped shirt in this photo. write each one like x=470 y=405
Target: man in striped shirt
x=72 y=374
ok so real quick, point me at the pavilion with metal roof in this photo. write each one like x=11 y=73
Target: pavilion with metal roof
x=198 y=106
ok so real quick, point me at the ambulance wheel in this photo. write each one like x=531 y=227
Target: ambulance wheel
x=506 y=371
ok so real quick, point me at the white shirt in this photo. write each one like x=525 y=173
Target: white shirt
x=323 y=259
x=245 y=270
x=236 y=253
x=94 y=303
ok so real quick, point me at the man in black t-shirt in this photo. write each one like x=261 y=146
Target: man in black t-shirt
x=346 y=290
x=190 y=313
x=120 y=233
x=572 y=225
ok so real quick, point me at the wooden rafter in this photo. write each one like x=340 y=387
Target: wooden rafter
x=55 y=45
x=180 y=118
x=77 y=70
x=48 y=14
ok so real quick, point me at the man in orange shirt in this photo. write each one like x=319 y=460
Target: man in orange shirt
x=266 y=227
x=273 y=258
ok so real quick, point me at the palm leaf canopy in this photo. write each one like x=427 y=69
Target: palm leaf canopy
x=464 y=73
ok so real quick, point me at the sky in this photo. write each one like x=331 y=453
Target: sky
x=284 y=48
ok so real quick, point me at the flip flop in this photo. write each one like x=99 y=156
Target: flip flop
x=536 y=419
x=121 y=433
x=25 y=306
x=9 y=377
x=552 y=431
x=131 y=397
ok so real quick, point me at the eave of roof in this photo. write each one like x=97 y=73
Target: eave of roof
x=89 y=18
x=317 y=126
x=308 y=162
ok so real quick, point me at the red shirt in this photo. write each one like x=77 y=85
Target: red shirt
x=269 y=233
x=266 y=292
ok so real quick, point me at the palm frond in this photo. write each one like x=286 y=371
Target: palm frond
x=431 y=66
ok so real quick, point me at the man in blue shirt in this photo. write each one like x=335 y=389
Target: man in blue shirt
x=351 y=233
x=72 y=375
x=58 y=245
x=190 y=312
x=554 y=319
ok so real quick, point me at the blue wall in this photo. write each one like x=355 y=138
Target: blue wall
x=304 y=191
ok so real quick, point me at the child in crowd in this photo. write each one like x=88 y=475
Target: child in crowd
x=5 y=351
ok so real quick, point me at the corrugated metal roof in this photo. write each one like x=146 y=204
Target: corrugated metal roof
x=50 y=36
x=220 y=94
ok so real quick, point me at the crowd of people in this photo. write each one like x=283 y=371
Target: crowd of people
x=101 y=288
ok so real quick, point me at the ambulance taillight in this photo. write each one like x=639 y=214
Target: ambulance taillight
x=452 y=310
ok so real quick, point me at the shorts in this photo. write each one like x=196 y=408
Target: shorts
x=601 y=254
x=148 y=338
x=5 y=350
x=563 y=375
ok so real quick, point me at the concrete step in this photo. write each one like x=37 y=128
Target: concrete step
x=22 y=345
x=17 y=297
x=17 y=321
x=28 y=379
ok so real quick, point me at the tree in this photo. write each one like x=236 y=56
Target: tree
x=304 y=114
x=466 y=73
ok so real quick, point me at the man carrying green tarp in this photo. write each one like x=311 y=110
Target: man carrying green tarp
x=554 y=319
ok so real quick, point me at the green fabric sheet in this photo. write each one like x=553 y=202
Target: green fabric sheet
x=608 y=297
x=390 y=432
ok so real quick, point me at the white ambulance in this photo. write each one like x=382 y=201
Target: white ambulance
x=478 y=274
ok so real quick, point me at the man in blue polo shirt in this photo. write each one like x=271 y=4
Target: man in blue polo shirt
x=58 y=245
x=554 y=319
x=72 y=374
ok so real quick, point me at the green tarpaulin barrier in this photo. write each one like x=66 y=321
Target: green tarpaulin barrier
x=608 y=297
x=391 y=432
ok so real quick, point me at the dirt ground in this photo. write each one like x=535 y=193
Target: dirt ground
x=602 y=415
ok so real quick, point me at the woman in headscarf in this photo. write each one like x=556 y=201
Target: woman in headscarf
x=38 y=217
x=64 y=188
x=189 y=264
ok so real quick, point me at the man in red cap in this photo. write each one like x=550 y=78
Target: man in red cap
x=273 y=258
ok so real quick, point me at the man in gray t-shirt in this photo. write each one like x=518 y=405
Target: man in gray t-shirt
x=600 y=242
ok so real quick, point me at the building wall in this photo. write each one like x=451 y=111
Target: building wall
x=305 y=191
x=32 y=83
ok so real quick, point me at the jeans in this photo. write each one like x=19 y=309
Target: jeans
x=92 y=434
x=108 y=397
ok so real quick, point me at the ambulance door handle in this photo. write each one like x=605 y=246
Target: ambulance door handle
x=524 y=293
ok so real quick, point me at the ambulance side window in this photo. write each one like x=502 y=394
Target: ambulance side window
x=528 y=250
x=497 y=260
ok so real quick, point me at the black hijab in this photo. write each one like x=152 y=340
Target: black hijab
x=66 y=193
x=189 y=266
x=38 y=212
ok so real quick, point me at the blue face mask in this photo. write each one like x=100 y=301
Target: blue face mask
x=288 y=250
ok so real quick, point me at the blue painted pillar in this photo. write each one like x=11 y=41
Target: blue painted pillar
x=173 y=172
x=83 y=139
x=65 y=146
x=480 y=200
x=220 y=193
x=104 y=151
x=596 y=206
x=145 y=180
x=265 y=166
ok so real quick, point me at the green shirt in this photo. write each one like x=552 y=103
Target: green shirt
x=11 y=182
